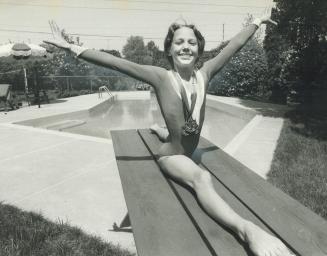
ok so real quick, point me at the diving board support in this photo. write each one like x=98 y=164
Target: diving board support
x=125 y=223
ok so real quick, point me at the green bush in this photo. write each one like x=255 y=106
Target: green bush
x=297 y=51
x=244 y=75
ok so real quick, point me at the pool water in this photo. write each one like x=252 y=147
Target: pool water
x=219 y=127
x=128 y=114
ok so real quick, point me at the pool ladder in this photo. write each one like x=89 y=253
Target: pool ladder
x=104 y=89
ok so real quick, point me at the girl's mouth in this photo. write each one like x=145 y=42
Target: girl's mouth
x=185 y=55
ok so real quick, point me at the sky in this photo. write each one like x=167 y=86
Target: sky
x=106 y=24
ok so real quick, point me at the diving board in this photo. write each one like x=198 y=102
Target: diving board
x=167 y=220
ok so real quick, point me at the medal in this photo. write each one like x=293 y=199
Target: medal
x=190 y=127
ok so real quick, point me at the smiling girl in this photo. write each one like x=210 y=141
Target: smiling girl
x=181 y=93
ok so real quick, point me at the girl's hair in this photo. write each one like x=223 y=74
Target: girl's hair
x=170 y=35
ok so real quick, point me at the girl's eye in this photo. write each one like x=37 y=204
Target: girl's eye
x=192 y=42
x=178 y=42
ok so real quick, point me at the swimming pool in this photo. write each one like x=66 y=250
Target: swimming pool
x=219 y=126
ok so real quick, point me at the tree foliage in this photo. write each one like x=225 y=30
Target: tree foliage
x=62 y=63
x=244 y=75
x=135 y=50
x=297 y=50
x=158 y=58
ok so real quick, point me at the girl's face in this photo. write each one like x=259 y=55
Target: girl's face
x=184 y=49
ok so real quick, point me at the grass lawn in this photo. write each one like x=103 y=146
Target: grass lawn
x=25 y=233
x=299 y=167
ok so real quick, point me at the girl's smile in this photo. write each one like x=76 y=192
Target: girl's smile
x=184 y=49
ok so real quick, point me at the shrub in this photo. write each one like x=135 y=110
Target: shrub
x=244 y=75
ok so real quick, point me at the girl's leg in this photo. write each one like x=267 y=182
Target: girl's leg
x=161 y=132
x=183 y=169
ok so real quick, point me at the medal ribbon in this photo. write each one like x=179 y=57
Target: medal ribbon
x=190 y=127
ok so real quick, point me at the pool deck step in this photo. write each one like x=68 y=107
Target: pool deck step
x=255 y=144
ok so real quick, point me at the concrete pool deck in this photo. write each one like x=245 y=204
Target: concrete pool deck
x=64 y=176
x=255 y=144
x=74 y=178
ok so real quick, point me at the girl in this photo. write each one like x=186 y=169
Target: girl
x=181 y=93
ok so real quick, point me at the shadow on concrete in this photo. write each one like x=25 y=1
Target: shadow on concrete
x=58 y=101
x=266 y=108
x=309 y=121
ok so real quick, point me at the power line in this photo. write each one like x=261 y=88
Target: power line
x=86 y=35
x=111 y=27
x=124 y=9
x=25 y=31
x=216 y=28
x=190 y=3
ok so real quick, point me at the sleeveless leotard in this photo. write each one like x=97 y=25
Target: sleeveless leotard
x=171 y=105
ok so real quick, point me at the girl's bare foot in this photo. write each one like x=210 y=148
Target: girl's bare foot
x=161 y=132
x=261 y=243
x=154 y=128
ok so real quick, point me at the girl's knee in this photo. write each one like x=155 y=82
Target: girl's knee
x=168 y=160
x=202 y=179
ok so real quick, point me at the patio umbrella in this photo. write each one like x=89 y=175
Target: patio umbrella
x=24 y=53
x=22 y=50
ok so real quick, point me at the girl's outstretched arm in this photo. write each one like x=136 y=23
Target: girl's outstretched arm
x=211 y=67
x=146 y=73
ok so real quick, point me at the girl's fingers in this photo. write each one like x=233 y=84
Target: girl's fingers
x=55 y=27
x=51 y=26
x=58 y=29
x=273 y=22
x=53 y=30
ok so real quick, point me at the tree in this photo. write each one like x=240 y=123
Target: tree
x=277 y=50
x=158 y=57
x=296 y=49
x=244 y=75
x=134 y=50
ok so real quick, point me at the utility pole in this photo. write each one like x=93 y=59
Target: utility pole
x=25 y=81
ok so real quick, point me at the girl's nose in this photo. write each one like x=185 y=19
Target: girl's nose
x=186 y=48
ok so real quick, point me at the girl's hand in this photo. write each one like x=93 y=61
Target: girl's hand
x=265 y=18
x=58 y=40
